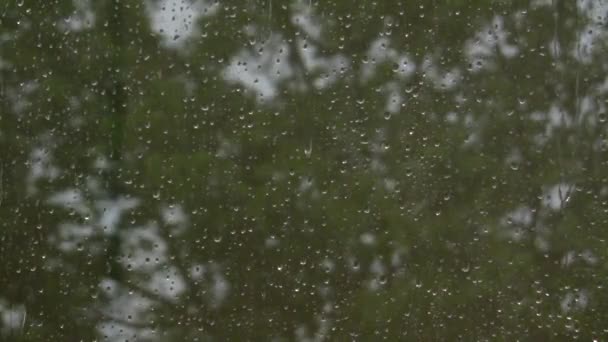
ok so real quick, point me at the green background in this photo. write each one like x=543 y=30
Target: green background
x=310 y=170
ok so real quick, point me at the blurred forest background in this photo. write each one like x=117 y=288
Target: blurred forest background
x=273 y=170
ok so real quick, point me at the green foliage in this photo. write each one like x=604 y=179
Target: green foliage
x=302 y=205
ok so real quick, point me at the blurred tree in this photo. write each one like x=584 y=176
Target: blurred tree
x=303 y=170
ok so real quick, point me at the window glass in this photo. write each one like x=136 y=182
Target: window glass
x=270 y=170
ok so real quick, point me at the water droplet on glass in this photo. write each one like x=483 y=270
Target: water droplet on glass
x=308 y=151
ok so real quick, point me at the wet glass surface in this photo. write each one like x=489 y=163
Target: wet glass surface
x=175 y=170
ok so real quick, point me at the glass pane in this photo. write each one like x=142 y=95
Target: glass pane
x=270 y=170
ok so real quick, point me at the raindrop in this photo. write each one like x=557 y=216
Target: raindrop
x=308 y=151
